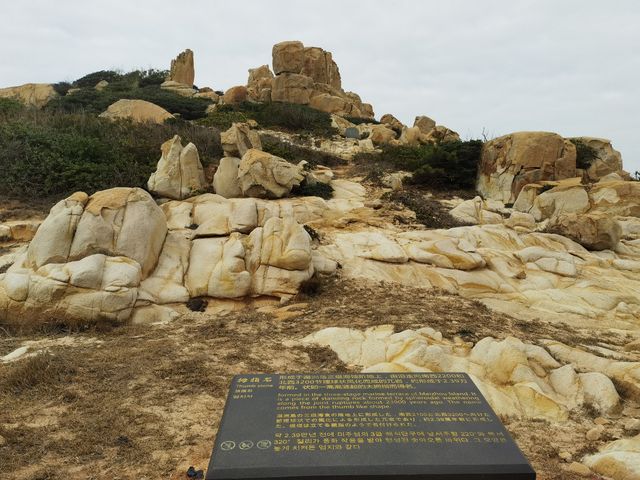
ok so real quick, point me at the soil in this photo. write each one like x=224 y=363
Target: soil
x=145 y=401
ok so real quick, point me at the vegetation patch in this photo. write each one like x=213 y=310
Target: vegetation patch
x=48 y=153
x=295 y=153
x=429 y=211
x=444 y=166
x=139 y=84
x=318 y=189
x=585 y=154
x=288 y=117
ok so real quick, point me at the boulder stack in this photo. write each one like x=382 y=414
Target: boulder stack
x=306 y=76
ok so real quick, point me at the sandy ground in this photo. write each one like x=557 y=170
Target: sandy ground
x=145 y=401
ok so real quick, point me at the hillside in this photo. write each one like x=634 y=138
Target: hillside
x=157 y=238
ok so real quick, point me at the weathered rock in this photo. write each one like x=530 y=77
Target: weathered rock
x=225 y=180
x=288 y=57
x=264 y=175
x=137 y=111
x=510 y=162
x=329 y=103
x=410 y=136
x=179 y=88
x=440 y=134
x=619 y=459
x=424 y=123
x=260 y=80
x=392 y=122
x=292 y=88
x=319 y=65
x=235 y=95
x=238 y=139
x=179 y=173
x=101 y=85
x=182 y=69
x=31 y=94
x=478 y=212
x=381 y=135
x=595 y=231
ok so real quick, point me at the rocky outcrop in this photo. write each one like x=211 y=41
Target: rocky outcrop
x=392 y=122
x=178 y=88
x=182 y=70
x=424 y=123
x=136 y=110
x=263 y=175
x=238 y=139
x=518 y=379
x=179 y=173
x=31 y=94
x=306 y=76
x=104 y=257
x=619 y=459
x=595 y=231
x=510 y=162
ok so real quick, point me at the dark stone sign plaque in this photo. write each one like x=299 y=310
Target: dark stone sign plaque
x=362 y=426
x=352 y=132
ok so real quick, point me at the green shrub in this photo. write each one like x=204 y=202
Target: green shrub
x=446 y=165
x=45 y=153
x=289 y=117
x=296 y=153
x=358 y=120
x=585 y=154
x=9 y=106
x=91 y=79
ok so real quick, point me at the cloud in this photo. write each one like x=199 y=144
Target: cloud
x=502 y=66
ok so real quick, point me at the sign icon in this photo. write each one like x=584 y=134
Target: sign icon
x=246 y=445
x=263 y=444
x=228 y=445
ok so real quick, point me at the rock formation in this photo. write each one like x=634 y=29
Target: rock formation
x=31 y=94
x=510 y=162
x=182 y=69
x=179 y=174
x=225 y=180
x=235 y=95
x=263 y=175
x=137 y=111
x=307 y=76
x=238 y=139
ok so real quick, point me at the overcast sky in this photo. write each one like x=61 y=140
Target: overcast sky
x=571 y=67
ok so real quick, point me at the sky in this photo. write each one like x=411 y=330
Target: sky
x=480 y=68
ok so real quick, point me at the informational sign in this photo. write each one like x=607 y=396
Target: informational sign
x=362 y=426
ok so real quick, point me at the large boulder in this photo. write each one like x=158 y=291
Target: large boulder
x=30 y=94
x=225 y=180
x=440 y=134
x=292 y=88
x=392 y=122
x=595 y=231
x=264 y=175
x=382 y=135
x=235 y=95
x=238 y=139
x=182 y=70
x=139 y=111
x=424 y=123
x=179 y=173
x=319 y=65
x=510 y=162
x=287 y=57
x=87 y=260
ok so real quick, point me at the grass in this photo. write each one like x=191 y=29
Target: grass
x=296 y=153
x=39 y=373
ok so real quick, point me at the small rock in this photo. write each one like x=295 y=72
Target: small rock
x=579 y=469
x=566 y=456
x=375 y=204
x=632 y=425
x=3 y=441
x=595 y=433
x=601 y=421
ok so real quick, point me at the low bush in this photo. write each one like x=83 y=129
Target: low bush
x=45 y=153
x=585 y=154
x=321 y=190
x=443 y=166
x=289 y=117
x=296 y=153
x=358 y=120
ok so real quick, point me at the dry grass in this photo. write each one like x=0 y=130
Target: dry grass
x=146 y=402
